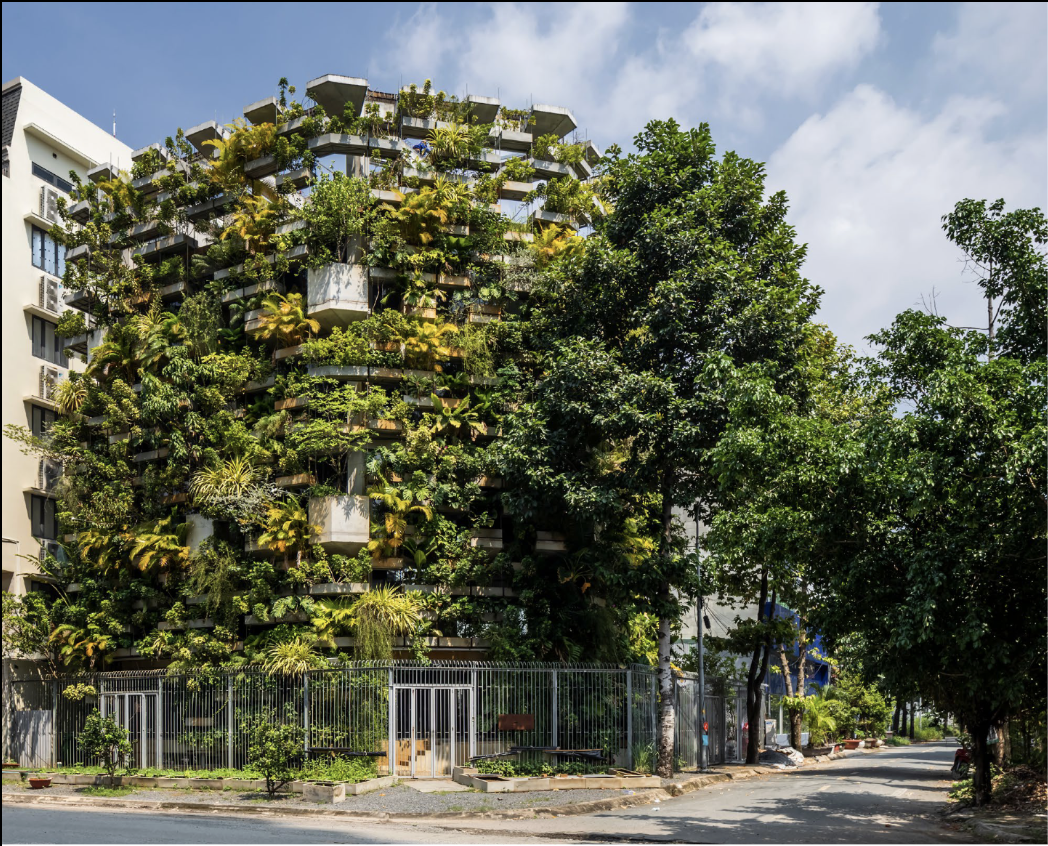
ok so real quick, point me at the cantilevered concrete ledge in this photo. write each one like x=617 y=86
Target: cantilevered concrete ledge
x=333 y=91
x=552 y=119
x=484 y=109
x=262 y=111
x=210 y=130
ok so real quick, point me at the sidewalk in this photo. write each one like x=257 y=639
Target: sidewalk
x=398 y=803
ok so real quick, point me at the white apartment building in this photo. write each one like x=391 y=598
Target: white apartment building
x=43 y=140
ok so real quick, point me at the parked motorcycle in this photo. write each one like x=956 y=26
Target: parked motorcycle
x=962 y=762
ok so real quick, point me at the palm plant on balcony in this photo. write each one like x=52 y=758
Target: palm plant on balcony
x=555 y=241
x=254 y=221
x=288 y=530
x=160 y=546
x=397 y=506
x=244 y=144
x=426 y=342
x=71 y=393
x=454 y=421
x=380 y=615
x=285 y=320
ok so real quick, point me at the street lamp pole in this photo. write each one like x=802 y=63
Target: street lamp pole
x=703 y=766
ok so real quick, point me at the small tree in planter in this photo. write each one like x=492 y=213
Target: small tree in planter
x=274 y=747
x=105 y=738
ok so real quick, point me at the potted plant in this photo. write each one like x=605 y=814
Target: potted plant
x=10 y=765
x=39 y=782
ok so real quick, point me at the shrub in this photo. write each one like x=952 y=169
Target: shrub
x=351 y=770
x=104 y=738
x=895 y=740
x=926 y=733
x=274 y=747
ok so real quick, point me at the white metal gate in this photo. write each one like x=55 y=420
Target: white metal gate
x=137 y=712
x=431 y=729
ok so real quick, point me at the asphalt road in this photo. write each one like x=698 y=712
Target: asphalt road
x=890 y=796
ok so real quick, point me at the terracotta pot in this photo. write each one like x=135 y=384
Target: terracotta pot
x=10 y=765
x=39 y=783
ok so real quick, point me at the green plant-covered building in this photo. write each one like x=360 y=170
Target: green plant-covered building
x=303 y=334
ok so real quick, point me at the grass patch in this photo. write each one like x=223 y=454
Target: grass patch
x=897 y=741
x=112 y=792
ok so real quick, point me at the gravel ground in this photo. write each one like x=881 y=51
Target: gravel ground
x=399 y=799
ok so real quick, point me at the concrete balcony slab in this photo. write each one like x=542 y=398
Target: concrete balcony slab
x=333 y=91
x=337 y=294
x=552 y=120
x=484 y=109
x=103 y=172
x=343 y=522
x=210 y=130
x=333 y=143
x=262 y=111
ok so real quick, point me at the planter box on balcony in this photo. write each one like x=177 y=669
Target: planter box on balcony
x=453 y=283
x=512 y=139
x=550 y=542
x=413 y=127
x=388 y=563
x=337 y=293
x=345 y=373
x=290 y=403
x=334 y=143
x=343 y=522
x=298 y=480
x=549 y=170
x=516 y=190
x=287 y=352
x=338 y=589
x=426 y=314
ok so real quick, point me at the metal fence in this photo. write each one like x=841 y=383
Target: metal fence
x=415 y=719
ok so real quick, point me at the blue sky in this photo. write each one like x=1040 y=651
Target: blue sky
x=874 y=118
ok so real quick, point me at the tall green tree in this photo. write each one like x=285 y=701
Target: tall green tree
x=690 y=286
x=941 y=526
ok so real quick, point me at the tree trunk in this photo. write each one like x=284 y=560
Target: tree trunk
x=755 y=678
x=1002 y=751
x=912 y=709
x=895 y=717
x=667 y=706
x=981 y=780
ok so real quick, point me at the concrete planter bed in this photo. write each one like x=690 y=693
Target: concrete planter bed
x=309 y=790
x=490 y=783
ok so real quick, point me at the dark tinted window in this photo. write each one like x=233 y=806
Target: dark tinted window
x=52 y=178
x=47 y=255
x=45 y=343
x=45 y=524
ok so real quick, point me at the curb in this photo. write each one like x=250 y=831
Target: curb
x=217 y=808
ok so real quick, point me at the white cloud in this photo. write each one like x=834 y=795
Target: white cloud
x=869 y=182
x=788 y=48
x=998 y=46
x=726 y=61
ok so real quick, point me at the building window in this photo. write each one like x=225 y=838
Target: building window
x=42 y=420
x=45 y=523
x=48 y=255
x=45 y=342
x=51 y=178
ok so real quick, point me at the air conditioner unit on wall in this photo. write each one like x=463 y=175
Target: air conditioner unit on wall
x=50 y=294
x=48 y=203
x=49 y=377
x=48 y=474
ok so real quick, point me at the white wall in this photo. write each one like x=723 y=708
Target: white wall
x=77 y=146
